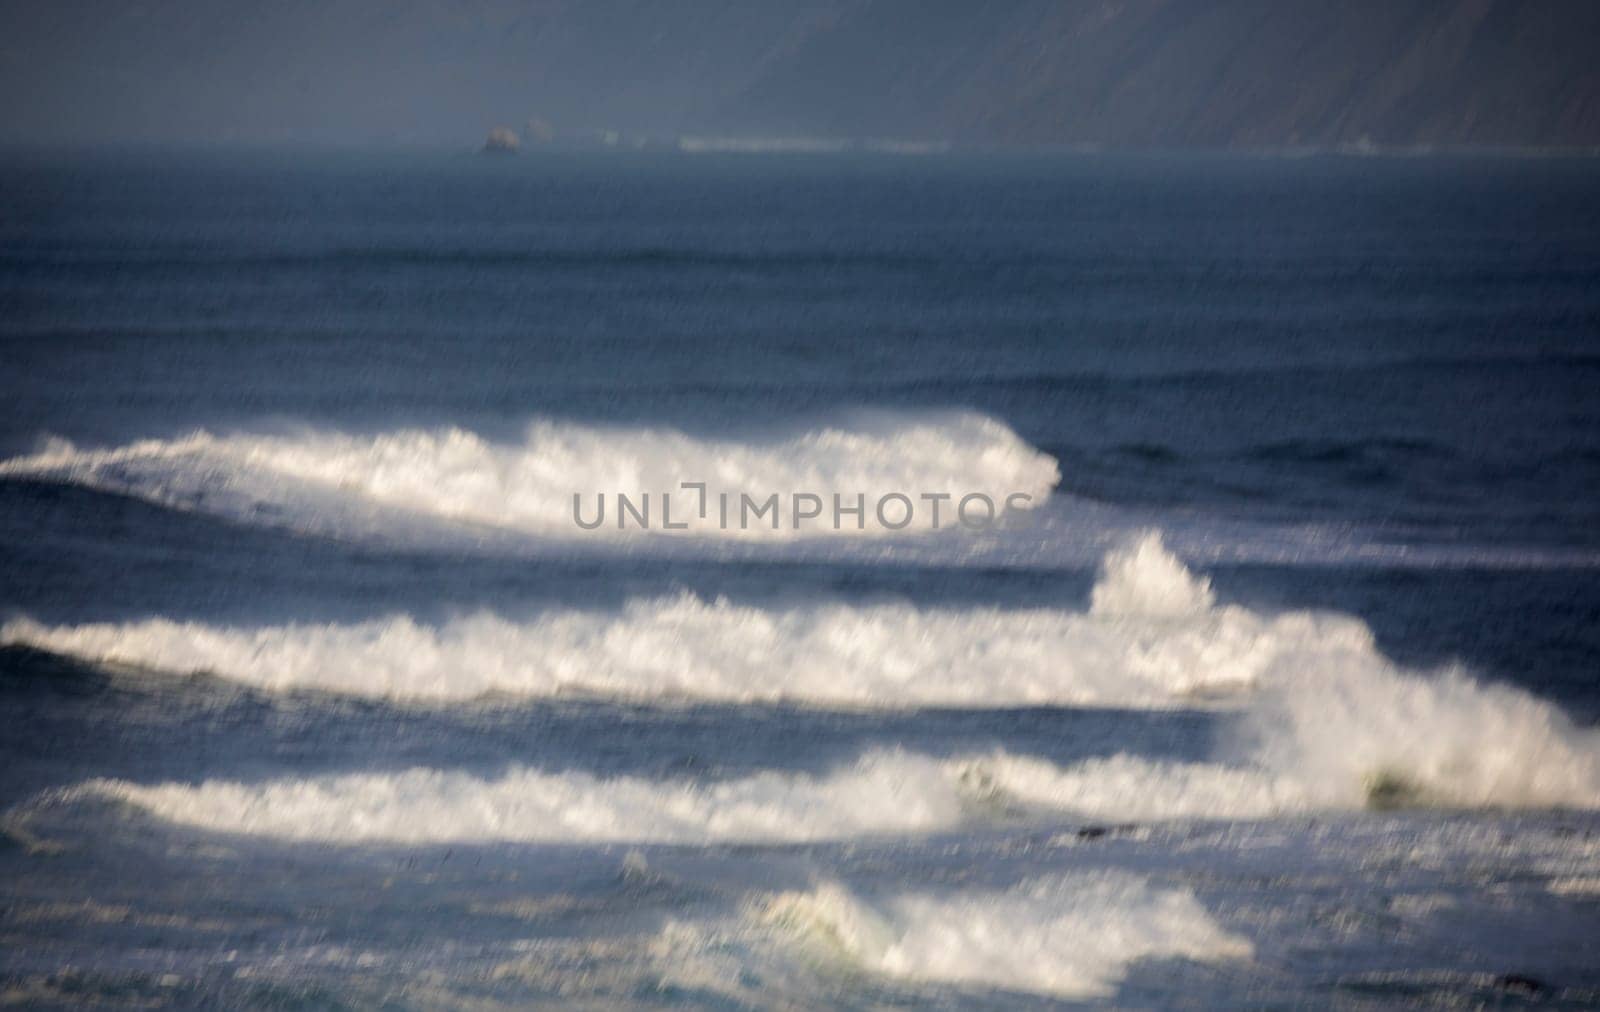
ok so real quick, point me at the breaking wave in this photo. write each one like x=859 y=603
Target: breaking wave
x=331 y=481
x=1073 y=935
x=1150 y=638
x=881 y=793
x=1327 y=720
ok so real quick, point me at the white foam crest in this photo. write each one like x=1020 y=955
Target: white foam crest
x=881 y=793
x=1133 y=788
x=457 y=475
x=1073 y=935
x=1333 y=724
x=874 y=655
x=1370 y=733
x=1142 y=578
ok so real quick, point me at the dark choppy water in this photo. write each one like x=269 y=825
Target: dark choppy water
x=314 y=696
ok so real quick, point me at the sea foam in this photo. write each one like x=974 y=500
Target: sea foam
x=333 y=481
x=1329 y=721
x=886 y=792
x=1151 y=638
x=882 y=793
x=1072 y=935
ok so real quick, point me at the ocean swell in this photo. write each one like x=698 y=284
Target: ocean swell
x=1071 y=935
x=333 y=481
x=1328 y=721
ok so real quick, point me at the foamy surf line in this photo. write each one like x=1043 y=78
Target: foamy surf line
x=1328 y=719
x=1070 y=935
x=1153 y=636
x=453 y=488
x=883 y=793
x=888 y=475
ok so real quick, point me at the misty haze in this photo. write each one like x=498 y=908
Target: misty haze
x=1147 y=73
x=857 y=504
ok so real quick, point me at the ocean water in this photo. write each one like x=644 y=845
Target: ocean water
x=1283 y=690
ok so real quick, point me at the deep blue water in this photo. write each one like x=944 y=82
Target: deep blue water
x=1354 y=386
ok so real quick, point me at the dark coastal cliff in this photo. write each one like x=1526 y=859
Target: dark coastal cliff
x=1168 y=73
x=1198 y=73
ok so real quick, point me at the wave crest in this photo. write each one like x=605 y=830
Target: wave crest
x=881 y=793
x=324 y=480
x=1136 y=654
x=1330 y=722
x=1072 y=935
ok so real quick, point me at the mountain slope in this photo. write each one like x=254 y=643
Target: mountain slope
x=1114 y=72
x=1180 y=72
